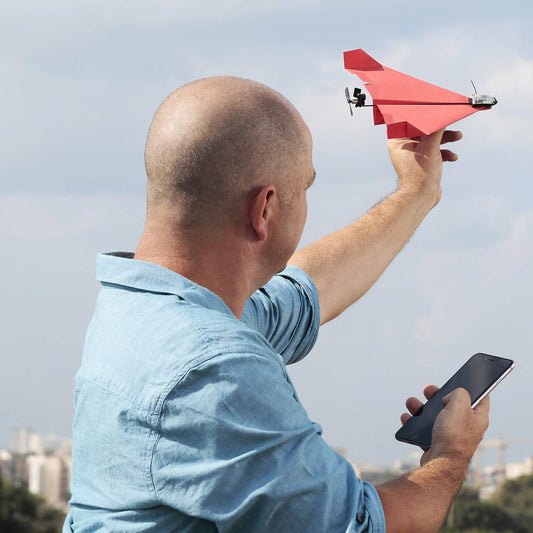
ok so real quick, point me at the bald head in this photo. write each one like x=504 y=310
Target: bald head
x=215 y=140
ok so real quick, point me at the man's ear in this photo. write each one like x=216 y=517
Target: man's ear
x=261 y=210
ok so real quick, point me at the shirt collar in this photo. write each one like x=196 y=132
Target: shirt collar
x=120 y=268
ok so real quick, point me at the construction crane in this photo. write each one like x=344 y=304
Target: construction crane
x=500 y=443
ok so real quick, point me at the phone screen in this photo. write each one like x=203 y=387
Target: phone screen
x=479 y=375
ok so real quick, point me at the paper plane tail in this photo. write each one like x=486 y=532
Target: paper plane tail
x=360 y=60
x=378 y=116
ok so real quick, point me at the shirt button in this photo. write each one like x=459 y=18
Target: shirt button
x=360 y=517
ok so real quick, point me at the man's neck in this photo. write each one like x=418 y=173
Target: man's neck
x=216 y=263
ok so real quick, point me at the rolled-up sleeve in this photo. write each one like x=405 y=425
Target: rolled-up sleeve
x=286 y=312
x=237 y=448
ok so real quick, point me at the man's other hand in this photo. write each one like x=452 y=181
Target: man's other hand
x=458 y=428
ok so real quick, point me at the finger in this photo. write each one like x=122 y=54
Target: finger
x=448 y=155
x=457 y=396
x=483 y=406
x=432 y=141
x=482 y=411
x=404 y=418
x=450 y=136
x=413 y=405
x=446 y=399
x=430 y=390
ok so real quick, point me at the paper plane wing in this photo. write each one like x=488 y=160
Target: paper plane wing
x=414 y=120
x=408 y=106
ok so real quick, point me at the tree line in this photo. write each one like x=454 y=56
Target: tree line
x=510 y=510
x=24 y=512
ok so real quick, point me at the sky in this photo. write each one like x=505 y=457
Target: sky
x=81 y=81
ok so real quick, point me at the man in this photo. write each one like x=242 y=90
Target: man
x=185 y=417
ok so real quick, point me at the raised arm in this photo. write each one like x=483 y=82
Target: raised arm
x=346 y=263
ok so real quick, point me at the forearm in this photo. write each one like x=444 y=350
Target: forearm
x=346 y=263
x=420 y=500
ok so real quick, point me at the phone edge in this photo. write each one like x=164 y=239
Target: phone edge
x=493 y=386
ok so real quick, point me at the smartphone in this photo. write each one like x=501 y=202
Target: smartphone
x=479 y=375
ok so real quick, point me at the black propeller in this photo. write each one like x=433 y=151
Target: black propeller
x=358 y=98
x=347 y=93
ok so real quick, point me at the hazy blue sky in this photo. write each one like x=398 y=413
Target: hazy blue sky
x=81 y=81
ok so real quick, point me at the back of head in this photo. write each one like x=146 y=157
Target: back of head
x=215 y=140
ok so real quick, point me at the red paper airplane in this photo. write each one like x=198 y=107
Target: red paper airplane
x=410 y=107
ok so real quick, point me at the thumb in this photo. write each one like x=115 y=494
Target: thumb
x=433 y=140
x=457 y=395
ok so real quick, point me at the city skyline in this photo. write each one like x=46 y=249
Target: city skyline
x=43 y=465
x=25 y=440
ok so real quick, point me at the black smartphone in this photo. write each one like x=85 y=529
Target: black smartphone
x=479 y=375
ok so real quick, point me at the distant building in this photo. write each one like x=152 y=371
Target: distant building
x=41 y=464
x=49 y=476
x=45 y=477
x=376 y=474
x=514 y=470
x=25 y=440
x=14 y=468
x=493 y=479
x=6 y=465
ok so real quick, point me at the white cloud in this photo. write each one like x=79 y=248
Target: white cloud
x=122 y=13
x=514 y=79
x=497 y=67
x=515 y=255
x=64 y=216
x=462 y=286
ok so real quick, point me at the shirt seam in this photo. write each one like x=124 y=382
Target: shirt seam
x=189 y=368
x=147 y=412
x=115 y=393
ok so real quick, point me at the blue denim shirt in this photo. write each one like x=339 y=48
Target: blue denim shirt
x=186 y=419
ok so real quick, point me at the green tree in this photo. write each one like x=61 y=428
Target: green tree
x=470 y=515
x=23 y=512
x=509 y=511
x=516 y=496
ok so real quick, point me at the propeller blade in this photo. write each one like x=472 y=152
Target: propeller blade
x=348 y=99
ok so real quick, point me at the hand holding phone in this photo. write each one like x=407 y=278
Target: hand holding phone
x=479 y=375
x=458 y=429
